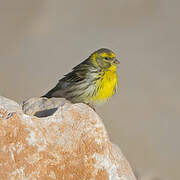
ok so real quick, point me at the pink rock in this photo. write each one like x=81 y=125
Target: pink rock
x=69 y=144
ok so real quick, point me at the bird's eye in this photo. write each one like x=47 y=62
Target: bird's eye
x=106 y=58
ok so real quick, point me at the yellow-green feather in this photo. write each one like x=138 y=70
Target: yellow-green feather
x=93 y=81
x=106 y=85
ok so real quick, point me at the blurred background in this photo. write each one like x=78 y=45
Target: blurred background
x=42 y=40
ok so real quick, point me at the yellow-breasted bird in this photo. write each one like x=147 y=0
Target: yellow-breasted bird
x=92 y=82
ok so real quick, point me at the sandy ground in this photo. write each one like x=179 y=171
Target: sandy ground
x=42 y=40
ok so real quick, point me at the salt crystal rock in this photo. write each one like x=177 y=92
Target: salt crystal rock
x=54 y=139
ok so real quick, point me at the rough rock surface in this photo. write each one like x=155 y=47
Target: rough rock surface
x=69 y=142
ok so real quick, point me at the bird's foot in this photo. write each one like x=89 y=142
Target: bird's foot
x=90 y=106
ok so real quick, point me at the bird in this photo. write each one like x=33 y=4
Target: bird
x=92 y=82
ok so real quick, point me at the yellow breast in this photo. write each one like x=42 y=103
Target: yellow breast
x=106 y=85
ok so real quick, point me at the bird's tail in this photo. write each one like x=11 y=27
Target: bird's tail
x=47 y=95
x=51 y=93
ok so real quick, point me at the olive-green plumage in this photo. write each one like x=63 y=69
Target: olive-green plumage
x=93 y=81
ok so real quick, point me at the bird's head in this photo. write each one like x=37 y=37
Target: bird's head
x=104 y=58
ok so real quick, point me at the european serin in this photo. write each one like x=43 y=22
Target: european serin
x=92 y=82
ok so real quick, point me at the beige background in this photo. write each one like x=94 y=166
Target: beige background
x=41 y=40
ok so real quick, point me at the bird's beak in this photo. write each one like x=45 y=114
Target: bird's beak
x=116 y=61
